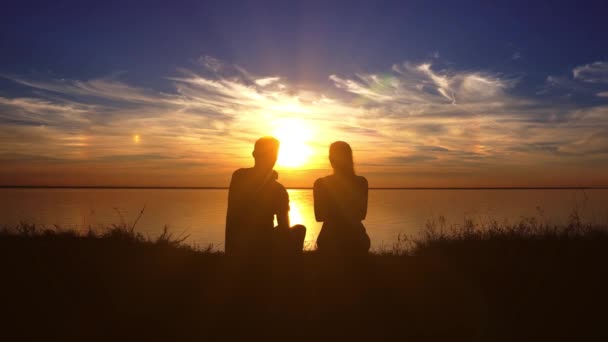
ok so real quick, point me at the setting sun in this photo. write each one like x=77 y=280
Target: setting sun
x=294 y=135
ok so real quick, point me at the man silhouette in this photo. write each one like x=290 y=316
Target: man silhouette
x=254 y=198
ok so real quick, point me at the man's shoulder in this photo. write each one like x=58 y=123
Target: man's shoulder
x=278 y=186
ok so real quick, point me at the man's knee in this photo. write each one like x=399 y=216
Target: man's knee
x=299 y=227
x=299 y=230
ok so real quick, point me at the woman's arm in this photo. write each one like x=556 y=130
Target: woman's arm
x=320 y=196
x=364 y=193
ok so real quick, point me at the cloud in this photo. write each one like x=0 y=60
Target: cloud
x=414 y=118
x=470 y=118
x=596 y=72
x=420 y=85
x=34 y=111
x=586 y=80
x=454 y=86
x=592 y=143
x=220 y=105
x=432 y=149
x=267 y=81
x=413 y=158
x=363 y=87
x=102 y=88
x=602 y=94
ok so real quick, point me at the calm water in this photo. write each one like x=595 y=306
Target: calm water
x=201 y=213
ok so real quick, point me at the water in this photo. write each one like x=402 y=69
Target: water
x=200 y=214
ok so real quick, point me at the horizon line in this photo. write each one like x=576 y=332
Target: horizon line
x=296 y=188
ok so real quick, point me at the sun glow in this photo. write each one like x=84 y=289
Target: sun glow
x=294 y=135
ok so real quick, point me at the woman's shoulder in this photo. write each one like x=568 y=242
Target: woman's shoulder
x=322 y=180
x=361 y=181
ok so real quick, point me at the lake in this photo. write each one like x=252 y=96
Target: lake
x=200 y=213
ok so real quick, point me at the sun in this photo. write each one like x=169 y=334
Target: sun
x=294 y=135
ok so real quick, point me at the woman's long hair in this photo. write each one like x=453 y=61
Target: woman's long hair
x=341 y=158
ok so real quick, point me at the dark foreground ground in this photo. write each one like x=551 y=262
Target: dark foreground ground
x=518 y=283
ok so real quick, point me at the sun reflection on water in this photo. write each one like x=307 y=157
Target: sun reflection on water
x=302 y=212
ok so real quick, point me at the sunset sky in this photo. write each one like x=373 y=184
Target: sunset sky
x=428 y=94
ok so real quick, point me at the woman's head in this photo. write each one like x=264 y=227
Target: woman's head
x=341 y=158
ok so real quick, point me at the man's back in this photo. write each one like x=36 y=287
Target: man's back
x=253 y=199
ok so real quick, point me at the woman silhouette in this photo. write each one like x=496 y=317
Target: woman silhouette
x=341 y=204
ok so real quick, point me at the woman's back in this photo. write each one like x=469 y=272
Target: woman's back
x=340 y=198
x=341 y=203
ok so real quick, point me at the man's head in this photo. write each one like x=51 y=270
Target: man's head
x=265 y=152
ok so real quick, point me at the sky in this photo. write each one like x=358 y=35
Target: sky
x=428 y=94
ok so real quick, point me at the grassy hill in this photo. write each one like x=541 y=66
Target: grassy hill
x=491 y=282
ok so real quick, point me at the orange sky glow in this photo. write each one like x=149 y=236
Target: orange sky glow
x=409 y=127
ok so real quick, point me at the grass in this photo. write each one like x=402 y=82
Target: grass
x=478 y=281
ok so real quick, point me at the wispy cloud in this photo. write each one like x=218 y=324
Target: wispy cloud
x=405 y=124
x=596 y=72
x=267 y=81
x=103 y=88
x=588 y=80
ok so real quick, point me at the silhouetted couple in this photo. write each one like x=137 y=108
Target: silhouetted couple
x=255 y=197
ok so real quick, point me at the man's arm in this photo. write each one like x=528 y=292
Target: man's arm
x=282 y=210
x=283 y=220
x=230 y=215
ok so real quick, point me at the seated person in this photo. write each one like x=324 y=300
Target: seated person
x=254 y=198
x=341 y=204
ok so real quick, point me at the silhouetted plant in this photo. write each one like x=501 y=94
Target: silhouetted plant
x=477 y=280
